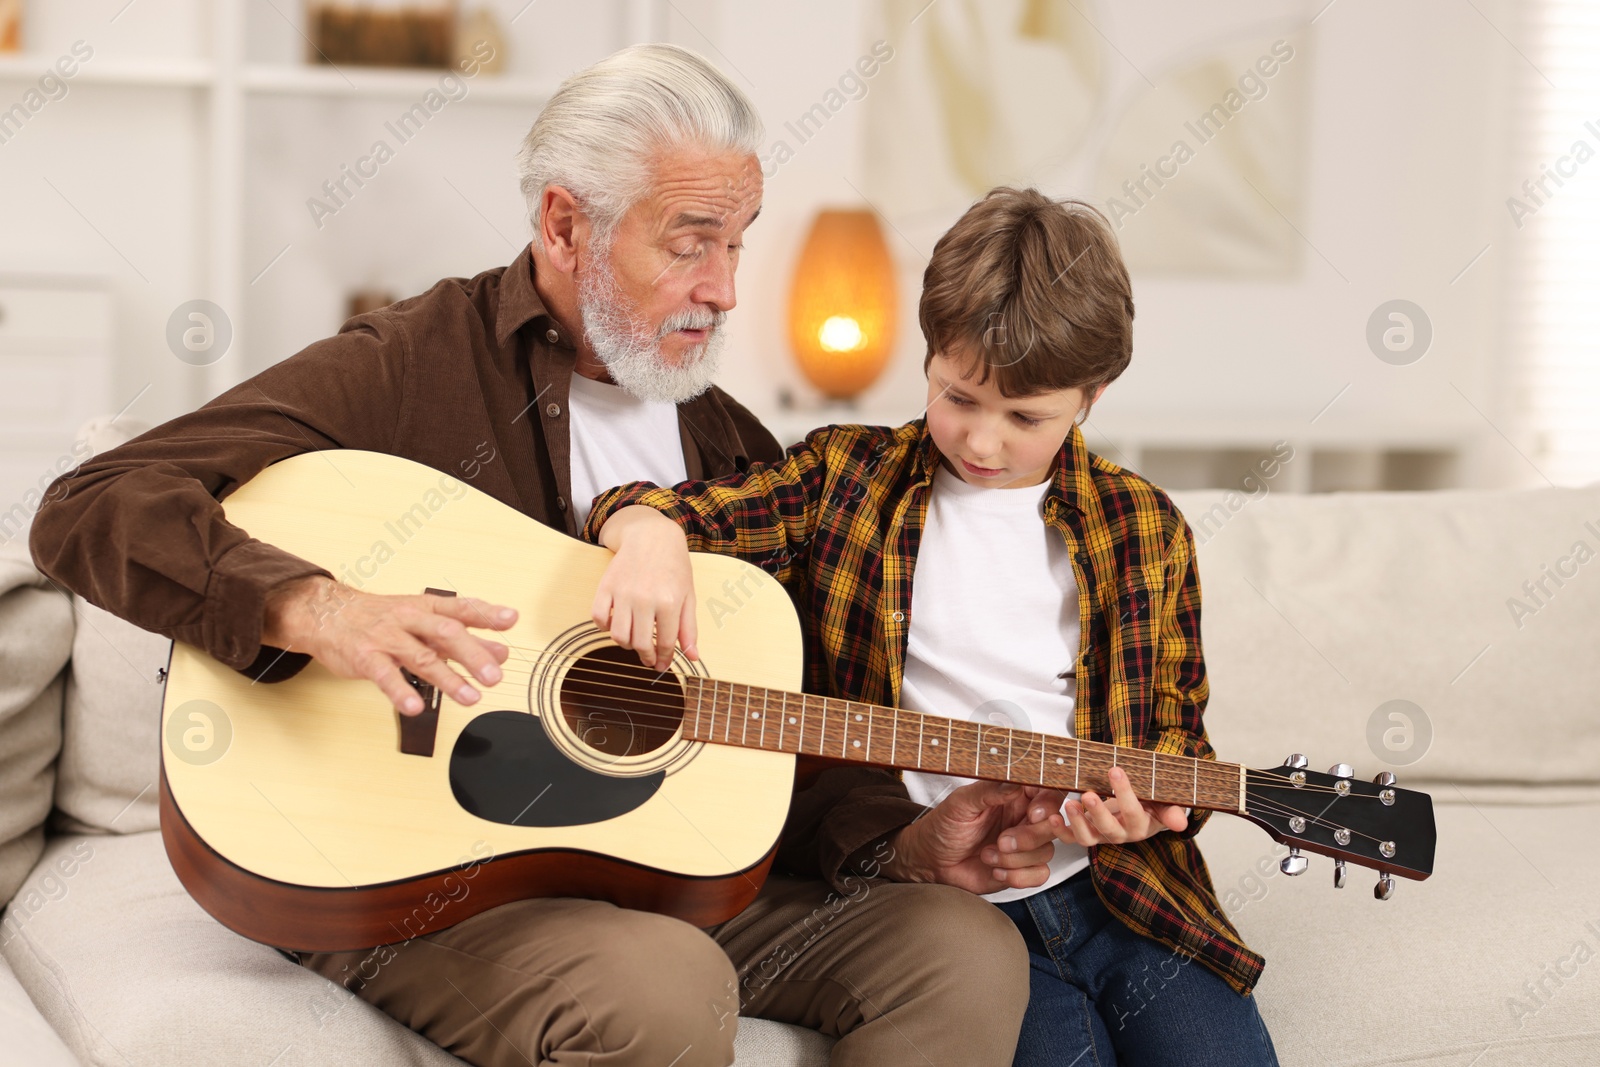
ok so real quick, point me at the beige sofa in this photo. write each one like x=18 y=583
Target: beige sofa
x=1319 y=611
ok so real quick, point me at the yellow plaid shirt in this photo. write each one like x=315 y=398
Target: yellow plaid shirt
x=838 y=522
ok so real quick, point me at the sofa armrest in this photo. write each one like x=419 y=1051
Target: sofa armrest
x=36 y=631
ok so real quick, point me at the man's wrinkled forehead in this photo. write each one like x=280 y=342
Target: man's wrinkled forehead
x=717 y=193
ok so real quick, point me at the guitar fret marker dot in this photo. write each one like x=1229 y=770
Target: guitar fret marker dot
x=1060 y=760
x=935 y=742
x=857 y=744
x=791 y=720
x=994 y=752
x=858 y=718
x=755 y=715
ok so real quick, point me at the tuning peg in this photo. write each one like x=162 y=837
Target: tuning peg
x=1385 y=781
x=1338 y=874
x=1385 y=887
x=1293 y=863
x=1296 y=761
x=1341 y=770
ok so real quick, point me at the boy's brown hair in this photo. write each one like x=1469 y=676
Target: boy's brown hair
x=1033 y=288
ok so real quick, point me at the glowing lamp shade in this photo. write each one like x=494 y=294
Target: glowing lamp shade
x=842 y=304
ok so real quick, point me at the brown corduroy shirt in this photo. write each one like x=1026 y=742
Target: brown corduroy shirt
x=470 y=378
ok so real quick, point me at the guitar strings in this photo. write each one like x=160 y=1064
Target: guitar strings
x=634 y=673
x=676 y=709
x=539 y=653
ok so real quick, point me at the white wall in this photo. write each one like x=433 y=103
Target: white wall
x=1408 y=133
x=127 y=163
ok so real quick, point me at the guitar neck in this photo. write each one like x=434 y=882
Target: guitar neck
x=745 y=716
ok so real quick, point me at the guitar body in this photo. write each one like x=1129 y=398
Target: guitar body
x=292 y=814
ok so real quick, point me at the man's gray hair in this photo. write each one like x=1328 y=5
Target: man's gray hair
x=596 y=135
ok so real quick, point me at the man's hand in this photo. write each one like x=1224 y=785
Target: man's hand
x=646 y=596
x=367 y=635
x=983 y=837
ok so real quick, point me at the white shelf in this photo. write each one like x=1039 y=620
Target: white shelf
x=285 y=79
x=152 y=73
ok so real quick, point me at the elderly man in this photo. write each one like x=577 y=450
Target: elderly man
x=585 y=363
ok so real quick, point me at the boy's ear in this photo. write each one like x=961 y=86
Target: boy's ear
x=1097 y=391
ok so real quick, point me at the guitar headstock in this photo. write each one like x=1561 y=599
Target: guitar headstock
x=1373 y=824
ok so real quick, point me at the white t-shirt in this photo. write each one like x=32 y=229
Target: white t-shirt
x=994 y=620
x=617 y=438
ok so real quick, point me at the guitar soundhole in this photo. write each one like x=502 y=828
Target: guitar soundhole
x=615 y=705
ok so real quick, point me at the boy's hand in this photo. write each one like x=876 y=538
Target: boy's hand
x=646 y=596
x=983 y=837
x=1124 y=818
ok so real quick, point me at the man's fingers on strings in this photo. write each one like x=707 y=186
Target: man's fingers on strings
x=387 y=677
x=427 y=663
x=473 y=611
x=450 y=640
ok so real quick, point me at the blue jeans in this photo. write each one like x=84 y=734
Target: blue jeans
x=1103 y=995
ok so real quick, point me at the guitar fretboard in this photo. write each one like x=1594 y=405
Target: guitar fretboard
x=727 y=713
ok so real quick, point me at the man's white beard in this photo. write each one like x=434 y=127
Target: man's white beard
x=631 y=351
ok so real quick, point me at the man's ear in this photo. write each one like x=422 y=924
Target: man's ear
x=562 y=225
x=1097 y=391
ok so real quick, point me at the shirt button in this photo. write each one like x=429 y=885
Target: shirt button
x=552 y=409
x=899 y=616
x=1083 y=559
x=561 y=502
x=552 y=336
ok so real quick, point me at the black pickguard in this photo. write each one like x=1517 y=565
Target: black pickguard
x=505 y=768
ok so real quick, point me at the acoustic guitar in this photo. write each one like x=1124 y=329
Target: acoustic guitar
x=307 y=814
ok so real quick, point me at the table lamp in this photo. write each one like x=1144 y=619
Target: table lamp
x=842 y=303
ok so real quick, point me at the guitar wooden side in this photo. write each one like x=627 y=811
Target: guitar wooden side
x=312 y=919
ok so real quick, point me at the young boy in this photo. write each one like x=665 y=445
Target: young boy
x=1051 y=585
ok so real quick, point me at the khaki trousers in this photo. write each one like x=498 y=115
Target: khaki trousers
x=922 y=975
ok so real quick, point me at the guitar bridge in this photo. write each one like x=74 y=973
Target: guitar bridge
x=417 y=732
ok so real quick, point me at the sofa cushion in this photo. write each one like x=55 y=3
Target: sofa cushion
x=35 y=641
x=1404 y=631
x=29 y=1040
x=1494 y=961
x=107 y=777
x=129 y=970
